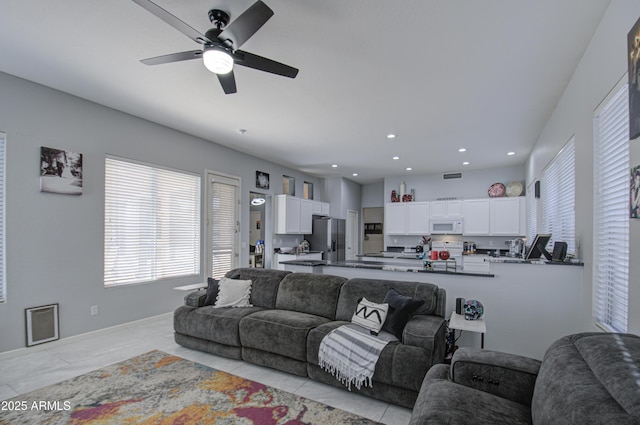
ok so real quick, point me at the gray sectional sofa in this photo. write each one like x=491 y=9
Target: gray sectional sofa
x=588 y=378
x=292 y=312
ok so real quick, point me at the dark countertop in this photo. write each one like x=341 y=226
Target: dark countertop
x=375 y=265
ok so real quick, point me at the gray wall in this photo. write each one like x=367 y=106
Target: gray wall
x=602 y=65
x=55 y=242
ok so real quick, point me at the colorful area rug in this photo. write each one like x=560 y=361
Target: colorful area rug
x=158 y=388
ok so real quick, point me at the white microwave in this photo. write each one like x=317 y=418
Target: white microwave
x=446 y=226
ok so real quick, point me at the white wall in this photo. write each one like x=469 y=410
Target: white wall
x=602 y=65
x=55 y=242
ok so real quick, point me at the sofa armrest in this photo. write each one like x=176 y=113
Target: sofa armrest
x=428 y=332
x=195 y=299
x=506 y=375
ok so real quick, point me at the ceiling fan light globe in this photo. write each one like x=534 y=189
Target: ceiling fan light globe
x=217 y=61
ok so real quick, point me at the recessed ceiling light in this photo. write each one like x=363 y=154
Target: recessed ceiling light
x=391 y=136
x=258 y=201
x=511 y=153
x=462 y=150
x=409 y=168
x=465 y=163
x=396 y=157
x=355 y=174
x=335 y=166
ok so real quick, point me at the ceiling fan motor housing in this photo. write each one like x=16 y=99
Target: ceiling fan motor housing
x=219 y=18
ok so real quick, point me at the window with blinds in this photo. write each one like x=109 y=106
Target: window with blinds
x=558 y=194
x=224 y=225
x=2 y=223
x=611 y=213
x=152 y=223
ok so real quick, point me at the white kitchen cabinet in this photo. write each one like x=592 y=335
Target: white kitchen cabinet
x=406 y=218
x=306 y=216
x=446 y=209
x=477 y=218
x=395 y=217
x=417 y=218
x=292 y=215
x=506 y=216
x=321 y=208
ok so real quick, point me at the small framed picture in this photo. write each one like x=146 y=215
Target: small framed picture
x=262 y=180
x=60 y=171
x=634 y=199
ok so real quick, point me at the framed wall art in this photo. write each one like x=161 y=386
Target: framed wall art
x=262 y=180
x=60 y=171
x=633 y=56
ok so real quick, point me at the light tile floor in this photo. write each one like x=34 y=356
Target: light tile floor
x=31 y=368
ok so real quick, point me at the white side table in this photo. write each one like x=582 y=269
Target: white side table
x=458 y=321
x=192 y=287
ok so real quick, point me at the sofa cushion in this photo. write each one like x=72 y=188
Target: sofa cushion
x=375 y=290
x=212 y=291
x=279 y=331
x=265 y=284
x=401 y=308
x=370 y=315
x=311 y=293
x=589 y=378
x=441 y=401
x=233 y=293
x=213 y=324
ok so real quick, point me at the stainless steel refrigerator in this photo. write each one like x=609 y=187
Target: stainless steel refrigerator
x=328 y=236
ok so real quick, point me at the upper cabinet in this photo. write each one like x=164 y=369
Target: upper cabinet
x=495 y=216
x=293 y=215
x=321 y=208
x=507 y=216
x=476 y=217
x=406 y=218
x=446 y=209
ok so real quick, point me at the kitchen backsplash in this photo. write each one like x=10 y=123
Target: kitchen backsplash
x=482 y=242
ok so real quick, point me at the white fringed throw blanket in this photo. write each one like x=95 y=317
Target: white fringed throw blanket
x=350 y=353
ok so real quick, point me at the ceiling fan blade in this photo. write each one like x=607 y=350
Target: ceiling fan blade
x=172 y=20
x=228 y=82
x=263 y=64
x=250 y=21
x=173 y=57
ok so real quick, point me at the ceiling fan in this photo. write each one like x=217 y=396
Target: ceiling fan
x=220 y=44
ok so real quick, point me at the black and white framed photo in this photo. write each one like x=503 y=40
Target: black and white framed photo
x=634 y=195
x=262 y=180
x=633 y=56
x=60 y=171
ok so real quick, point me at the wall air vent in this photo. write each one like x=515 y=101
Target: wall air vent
x=452 y=176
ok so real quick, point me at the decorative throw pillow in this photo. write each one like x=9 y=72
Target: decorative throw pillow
x=212 y=291
x=233 y=293
x=370 y=315
x=401 y=308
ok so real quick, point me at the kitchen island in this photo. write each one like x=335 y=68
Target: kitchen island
x=528 y=305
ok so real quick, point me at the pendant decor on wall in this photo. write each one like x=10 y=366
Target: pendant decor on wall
x=60 y=171
x=633 y=56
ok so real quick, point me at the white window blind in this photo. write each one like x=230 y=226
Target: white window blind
x=2 y=223
x=611 y=213
x=152 y=223
x=223 y=225
x=558 y=194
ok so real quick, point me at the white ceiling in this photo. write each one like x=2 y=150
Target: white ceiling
x=484 y=75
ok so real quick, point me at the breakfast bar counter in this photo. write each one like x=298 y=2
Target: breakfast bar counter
x=527 y=305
